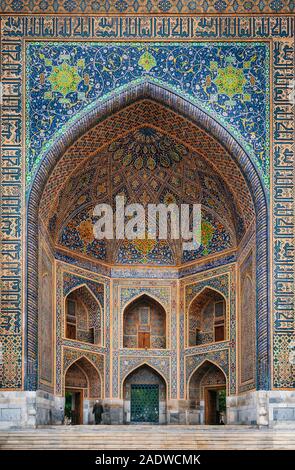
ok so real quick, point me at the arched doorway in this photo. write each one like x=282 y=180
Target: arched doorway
x=144 y=324
x=82 y=386
x=144 y=394
x=207 y=395
x=207 y=318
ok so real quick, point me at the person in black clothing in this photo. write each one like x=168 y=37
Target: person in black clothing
x=97 y=411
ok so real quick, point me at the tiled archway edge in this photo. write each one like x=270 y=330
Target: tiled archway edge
x=173 y=101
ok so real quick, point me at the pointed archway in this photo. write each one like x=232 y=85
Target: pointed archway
x=145 y=395
x=210 y=130
x=82 y=316
x=144 y=324
x=207 y=318
x=207 y=394
x=82 y=386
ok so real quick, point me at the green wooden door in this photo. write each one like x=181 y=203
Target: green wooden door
x=144 y=403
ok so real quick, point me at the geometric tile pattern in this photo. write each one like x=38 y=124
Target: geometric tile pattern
x=125 y=7
x=223 y=354
x=150 y=114
x=12 y=364
x=278 y=29
x=228 y=80
x=284 y=368
x=155 y=175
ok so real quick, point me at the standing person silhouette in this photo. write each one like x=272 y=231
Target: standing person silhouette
x=97 y=411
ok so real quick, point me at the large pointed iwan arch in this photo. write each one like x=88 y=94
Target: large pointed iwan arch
x=190 y=112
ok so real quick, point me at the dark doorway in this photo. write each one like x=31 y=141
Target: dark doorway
x=215 y=406
x=74 y=406
x=144 y=403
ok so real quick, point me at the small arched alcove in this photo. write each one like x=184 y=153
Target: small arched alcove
x=144 y=324
x=82 y=387
x=207 y=318
x=207 y=395
x=82 y=316
x=144 y=393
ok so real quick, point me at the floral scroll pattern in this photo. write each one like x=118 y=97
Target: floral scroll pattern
x=229 y=81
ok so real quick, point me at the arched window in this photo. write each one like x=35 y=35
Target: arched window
x=144 y=324
x=83 y=317
x=207 y=318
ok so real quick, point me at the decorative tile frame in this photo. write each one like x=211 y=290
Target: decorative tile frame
x=193 y=362
x=16 y=31
x=127 y=7
x=252 y=179
x=67 y=278
x=248 y=249
x=70 y=356
x=224 y=354
x=46 y=337
x=163 y=360
x=159 y=364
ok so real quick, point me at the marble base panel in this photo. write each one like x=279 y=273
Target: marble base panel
x=262 y=408
x=30 y=409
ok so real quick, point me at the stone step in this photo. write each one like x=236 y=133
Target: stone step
x=160 y=436
x=163 y=446
x=155 y=446
x=130 y=437
x=88 y=436
x=144 y=427
x=149 y=436
x=87 y=439
x=141 y=437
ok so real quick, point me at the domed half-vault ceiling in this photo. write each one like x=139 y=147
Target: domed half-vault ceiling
x=145 y=166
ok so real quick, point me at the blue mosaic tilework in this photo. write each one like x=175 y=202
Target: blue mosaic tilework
x=280 y=28
x=72 y=281
x=227 y=80
x=219 y=357
x=86 y=264
x=127 y=293
x=161 y=254
x=215 y=7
